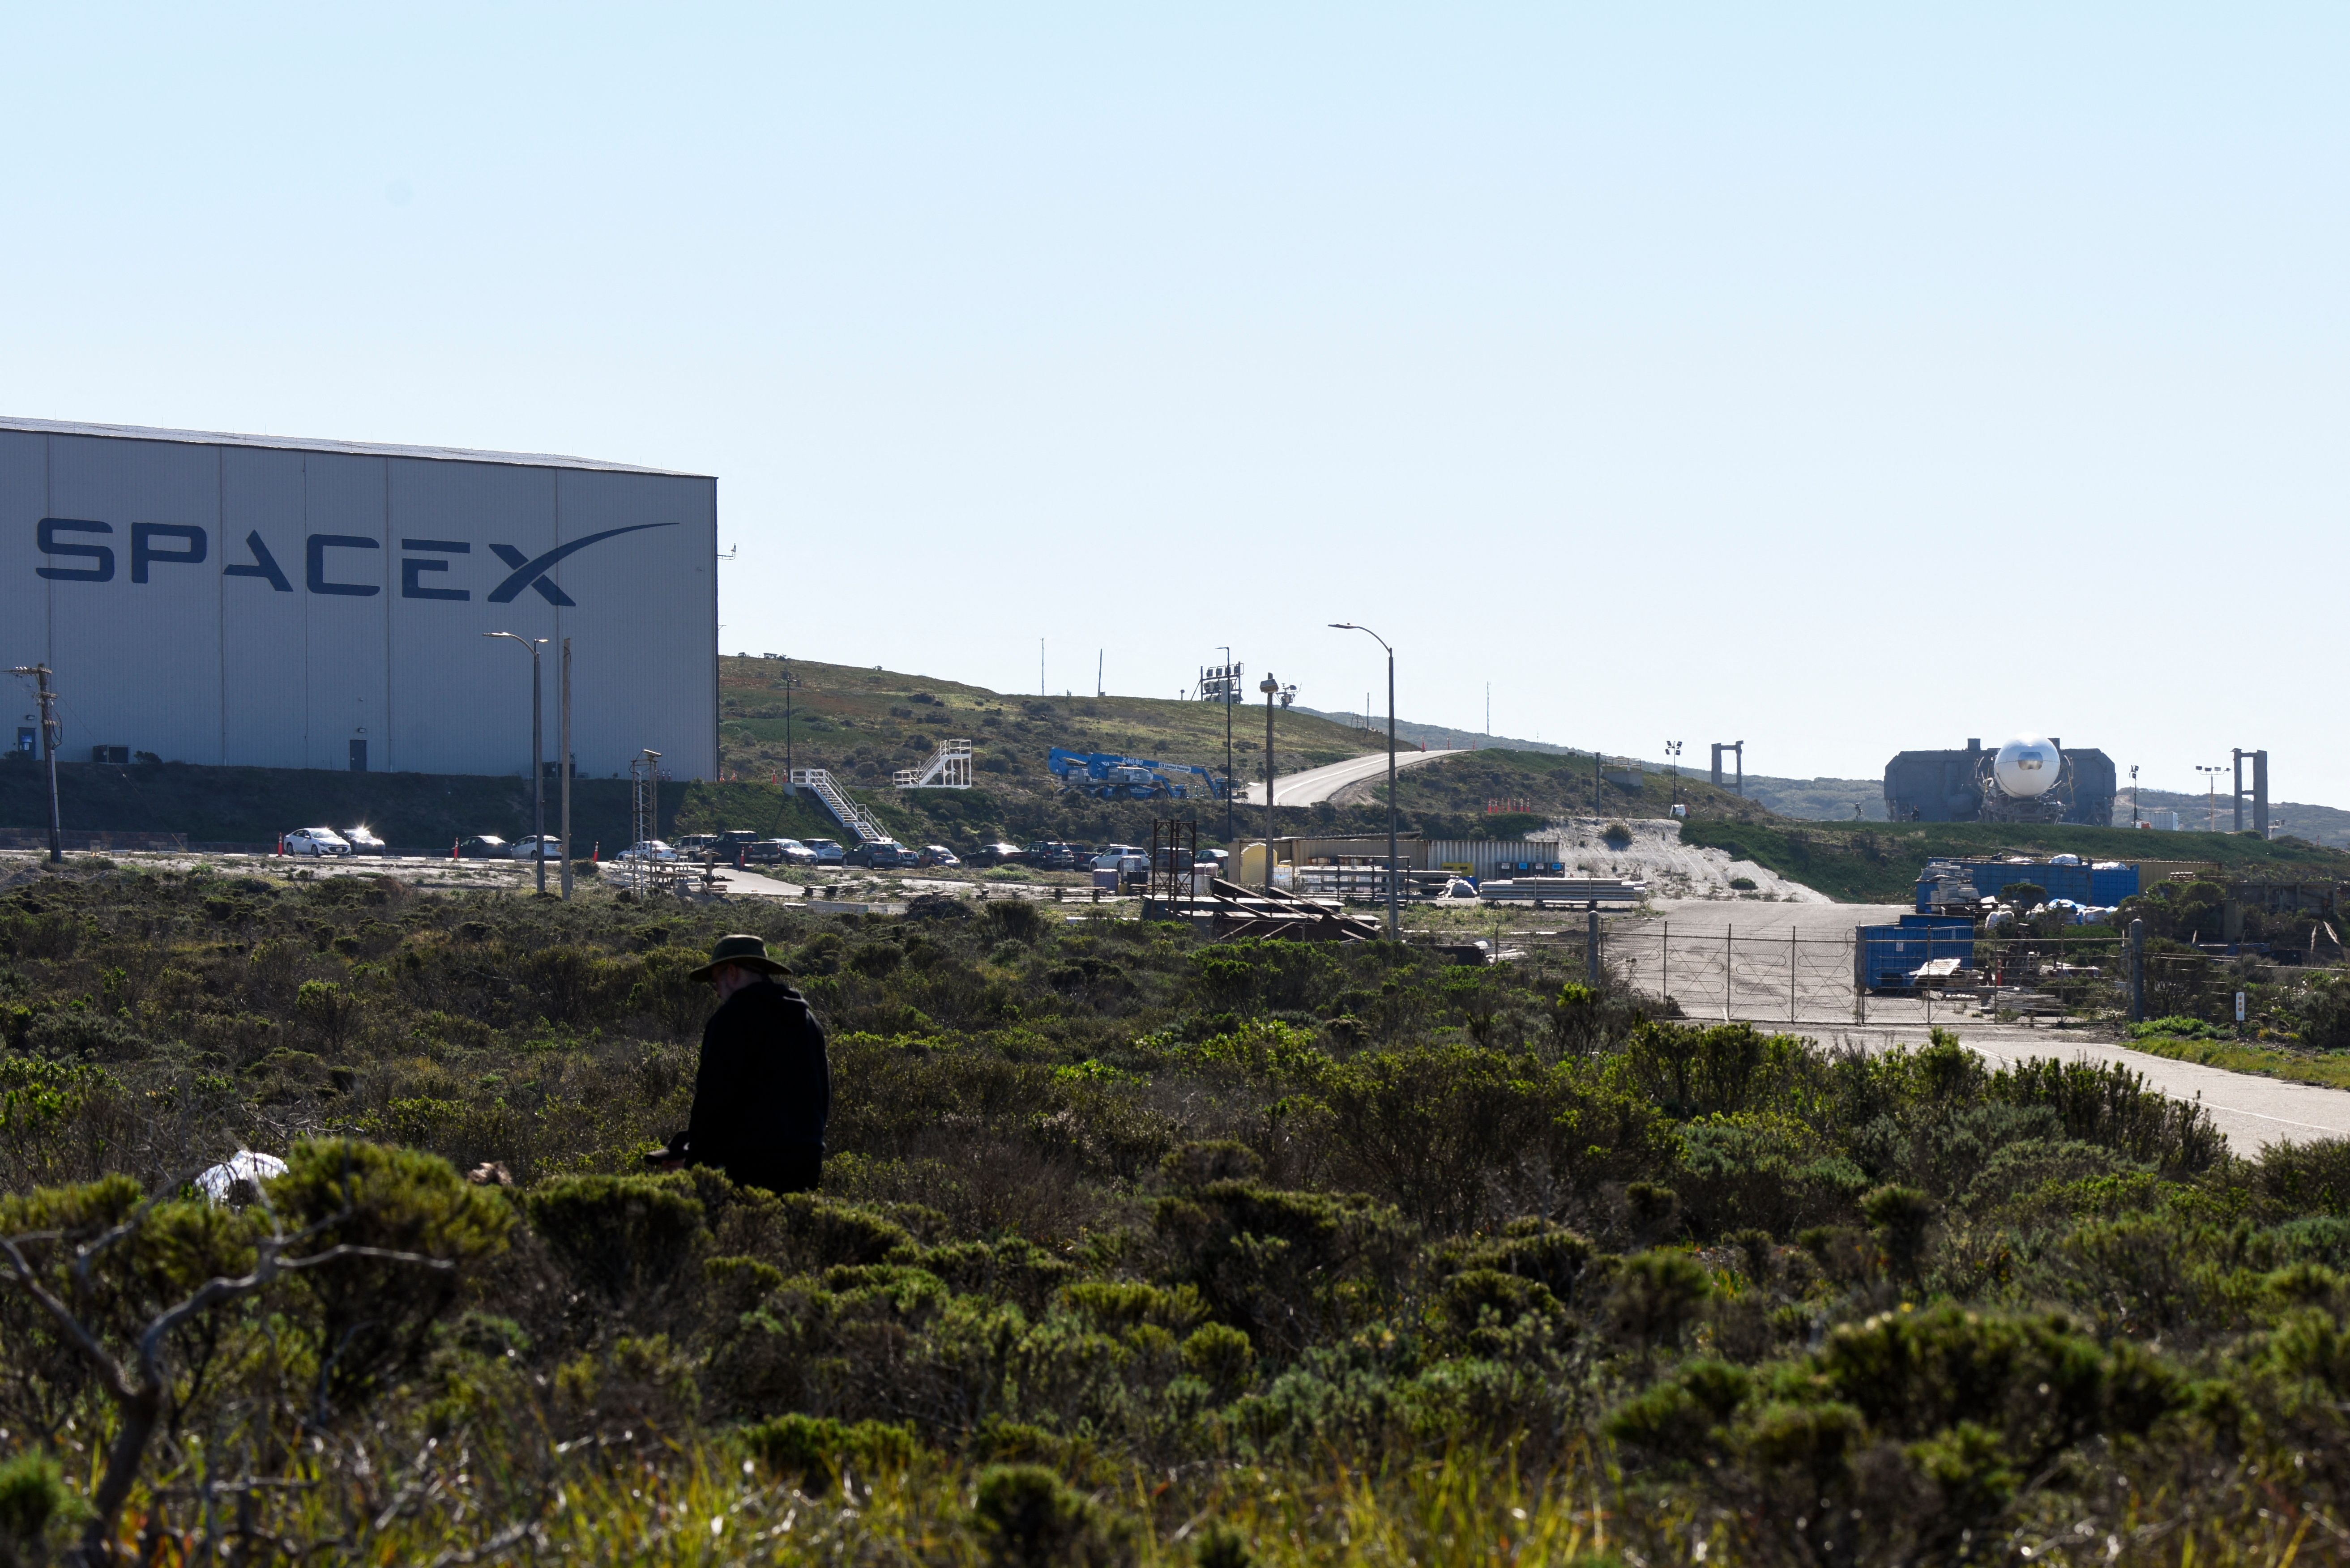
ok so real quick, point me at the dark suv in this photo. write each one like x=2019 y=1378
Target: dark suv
x=888 y=855
x=1051 y=855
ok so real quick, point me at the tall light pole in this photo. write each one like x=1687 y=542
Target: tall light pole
x=2211 y=797
x=537 y=768
x=1271 y=688
x=1395 y=922
x=1232 y=689
x=2133 y=796
x=563 y=727
x=50 y=739
x=788 y=683
x=1673 y=751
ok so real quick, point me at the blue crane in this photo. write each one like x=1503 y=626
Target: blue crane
x=1106 y=775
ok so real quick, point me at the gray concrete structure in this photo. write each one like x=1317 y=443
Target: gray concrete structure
x=235 y=599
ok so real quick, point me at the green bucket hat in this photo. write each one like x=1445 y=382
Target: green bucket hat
x=749 y=952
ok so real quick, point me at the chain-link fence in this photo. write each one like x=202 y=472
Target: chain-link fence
x=1792 y=977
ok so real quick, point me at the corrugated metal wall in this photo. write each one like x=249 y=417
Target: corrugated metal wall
x=1498 y=857
x=246 y=605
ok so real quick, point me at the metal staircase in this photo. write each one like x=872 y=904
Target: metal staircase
x=845 y=811
x=948 y=768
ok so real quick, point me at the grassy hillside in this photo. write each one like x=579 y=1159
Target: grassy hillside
x=863 y=724
x=1878 y=863
x=1820 y=799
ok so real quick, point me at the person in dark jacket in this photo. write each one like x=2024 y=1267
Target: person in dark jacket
x=763 y=1090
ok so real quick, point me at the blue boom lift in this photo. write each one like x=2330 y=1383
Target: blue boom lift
x=1107 y=776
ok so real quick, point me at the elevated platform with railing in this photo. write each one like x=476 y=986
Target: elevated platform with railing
x=948 y=768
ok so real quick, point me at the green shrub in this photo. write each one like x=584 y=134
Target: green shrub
x=376 y=1313
x=1027 y=1518
x=2323 y=1012
x=620 y=1234
x=2176 y=1027
x=1287 y=1267
x=1531 y=1247
x=815 y=1450
x=1221 y=1355
x=34 y=1497
x=1657 y=1297
x=77 y=1035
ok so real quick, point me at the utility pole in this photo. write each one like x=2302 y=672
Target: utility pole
x=1673 y=754
x=789 y=682
x=1099 y=655
x=2133 y=796
x=563 y=727
x=1269 y=686
x=1231 y=692
x=1395 y=920
x=537 y=766
x=51 y=738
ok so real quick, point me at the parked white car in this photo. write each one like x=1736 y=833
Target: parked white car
x=316 y=841
x=651 y=849
x=363 y=842
x=547 y=846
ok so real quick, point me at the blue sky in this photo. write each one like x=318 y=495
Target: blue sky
x=1840 y=378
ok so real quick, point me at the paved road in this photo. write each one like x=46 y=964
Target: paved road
x=1682 y=946
x=1316 y=785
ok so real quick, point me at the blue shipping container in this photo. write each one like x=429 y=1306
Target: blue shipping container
x=2102 y=889
x=1884 y=957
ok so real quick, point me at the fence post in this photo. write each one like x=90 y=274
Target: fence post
x=1859 y=977
x=1790 y=975
x=1665 y=961
x=1591 y=946
x=2137 y=971
x=1725 y=973
x=1928 y=989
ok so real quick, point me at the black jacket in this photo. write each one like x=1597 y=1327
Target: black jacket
x=763 y=1092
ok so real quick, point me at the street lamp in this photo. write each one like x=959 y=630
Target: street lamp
x=51 y=738
x=1232 y=689
x=1395 y=923
x=1270 y=687
x=2133 y=796
x=2211 y=797
x=537 y=768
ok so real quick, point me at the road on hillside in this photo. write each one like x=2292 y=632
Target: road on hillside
x=1766 y=964
x=1316 y=785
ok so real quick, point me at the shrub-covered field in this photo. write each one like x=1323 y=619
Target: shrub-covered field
x=1132 y=1249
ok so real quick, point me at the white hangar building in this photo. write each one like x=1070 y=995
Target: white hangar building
x=254 y=601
